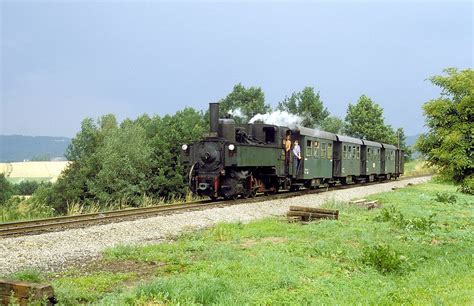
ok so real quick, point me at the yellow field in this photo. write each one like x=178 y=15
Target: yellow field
x=36 y=171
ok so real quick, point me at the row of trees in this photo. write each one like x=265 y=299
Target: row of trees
x=126 y=162
x=364 y=119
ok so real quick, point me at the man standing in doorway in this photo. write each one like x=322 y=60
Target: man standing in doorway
x=287 y=144
x=297 y=154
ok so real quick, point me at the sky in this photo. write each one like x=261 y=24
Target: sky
x=61 y=62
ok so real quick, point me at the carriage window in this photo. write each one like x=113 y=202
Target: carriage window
x=323 y=150
x=330 y=150
x=308 y=147
x=358 y=153
x=378 y=154
x=344 y=152
x=316 y=149
x=354 y=152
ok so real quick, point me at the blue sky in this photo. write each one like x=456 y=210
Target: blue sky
x=62 y=62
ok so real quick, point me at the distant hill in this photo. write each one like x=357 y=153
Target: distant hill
x=411 y=140
x=15 y=148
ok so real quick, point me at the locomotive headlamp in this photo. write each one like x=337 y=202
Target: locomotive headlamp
x=184 y=147
x=231 y=147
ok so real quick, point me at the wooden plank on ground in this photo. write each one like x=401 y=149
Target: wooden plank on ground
x=314 y=210
x=25 y=293
x=311 y=215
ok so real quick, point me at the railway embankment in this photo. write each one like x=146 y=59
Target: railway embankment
x=57 y=251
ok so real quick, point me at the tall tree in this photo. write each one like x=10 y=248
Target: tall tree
x=306 y=104
x=250 y=101
x=332 y=124
x=448 y=145
x=365 y=120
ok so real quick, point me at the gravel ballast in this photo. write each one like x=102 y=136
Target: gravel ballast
x=58 y=250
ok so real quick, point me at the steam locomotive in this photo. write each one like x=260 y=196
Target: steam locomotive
x=241 y=160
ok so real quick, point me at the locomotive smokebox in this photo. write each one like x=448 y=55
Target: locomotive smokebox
x=214 y=117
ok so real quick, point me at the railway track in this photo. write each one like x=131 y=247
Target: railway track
x=38 y=226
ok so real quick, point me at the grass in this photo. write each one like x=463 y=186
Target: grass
x=417 y=167
x=416 y=249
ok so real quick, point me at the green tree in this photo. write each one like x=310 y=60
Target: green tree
x=167 y=178
x=448 y=145
x=365 y=120
x=250 y=101
x=125 y=159
x=332 y=124
x=6 y=189
x=27 y=187
x=306 y=104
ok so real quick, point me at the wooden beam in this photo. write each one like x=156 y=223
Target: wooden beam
x=311 y=215
x=314 y=210
x=25 y=293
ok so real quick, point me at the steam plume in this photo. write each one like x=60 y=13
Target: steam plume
x=280 y=118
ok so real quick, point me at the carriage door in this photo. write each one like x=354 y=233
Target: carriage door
x=337 y=159
x=397 y=161
x=382 y=160
x=363 y=160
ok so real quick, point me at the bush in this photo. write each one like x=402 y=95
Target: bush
x=29 y=187
x=446 y=197
x=383 y=258
x=393 y=215
x=18 y=208
x=467 y=186
x=6 y=189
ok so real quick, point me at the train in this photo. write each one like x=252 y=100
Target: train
x=241 y=160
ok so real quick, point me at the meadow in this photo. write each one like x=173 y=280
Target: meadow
x=38 y=171
x=416 y=249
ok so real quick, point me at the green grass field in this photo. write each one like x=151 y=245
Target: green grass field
x=416 y=249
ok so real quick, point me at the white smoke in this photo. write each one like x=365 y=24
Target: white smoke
x=280 y=118
x=236 y=113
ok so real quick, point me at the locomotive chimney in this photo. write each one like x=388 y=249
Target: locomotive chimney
x=214 y=117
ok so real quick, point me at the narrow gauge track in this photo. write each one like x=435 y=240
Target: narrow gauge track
x=38 y=226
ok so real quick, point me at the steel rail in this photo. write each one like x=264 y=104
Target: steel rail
x=48 y=224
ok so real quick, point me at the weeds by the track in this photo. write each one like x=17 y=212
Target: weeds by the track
x=23 y=208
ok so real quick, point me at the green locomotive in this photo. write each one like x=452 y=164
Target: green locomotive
x=243 y=159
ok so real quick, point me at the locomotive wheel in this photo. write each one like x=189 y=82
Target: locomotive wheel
x=253 y=193
x=213 y=198
x=231 y=197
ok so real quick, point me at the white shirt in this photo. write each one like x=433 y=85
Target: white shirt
x=297 y=150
